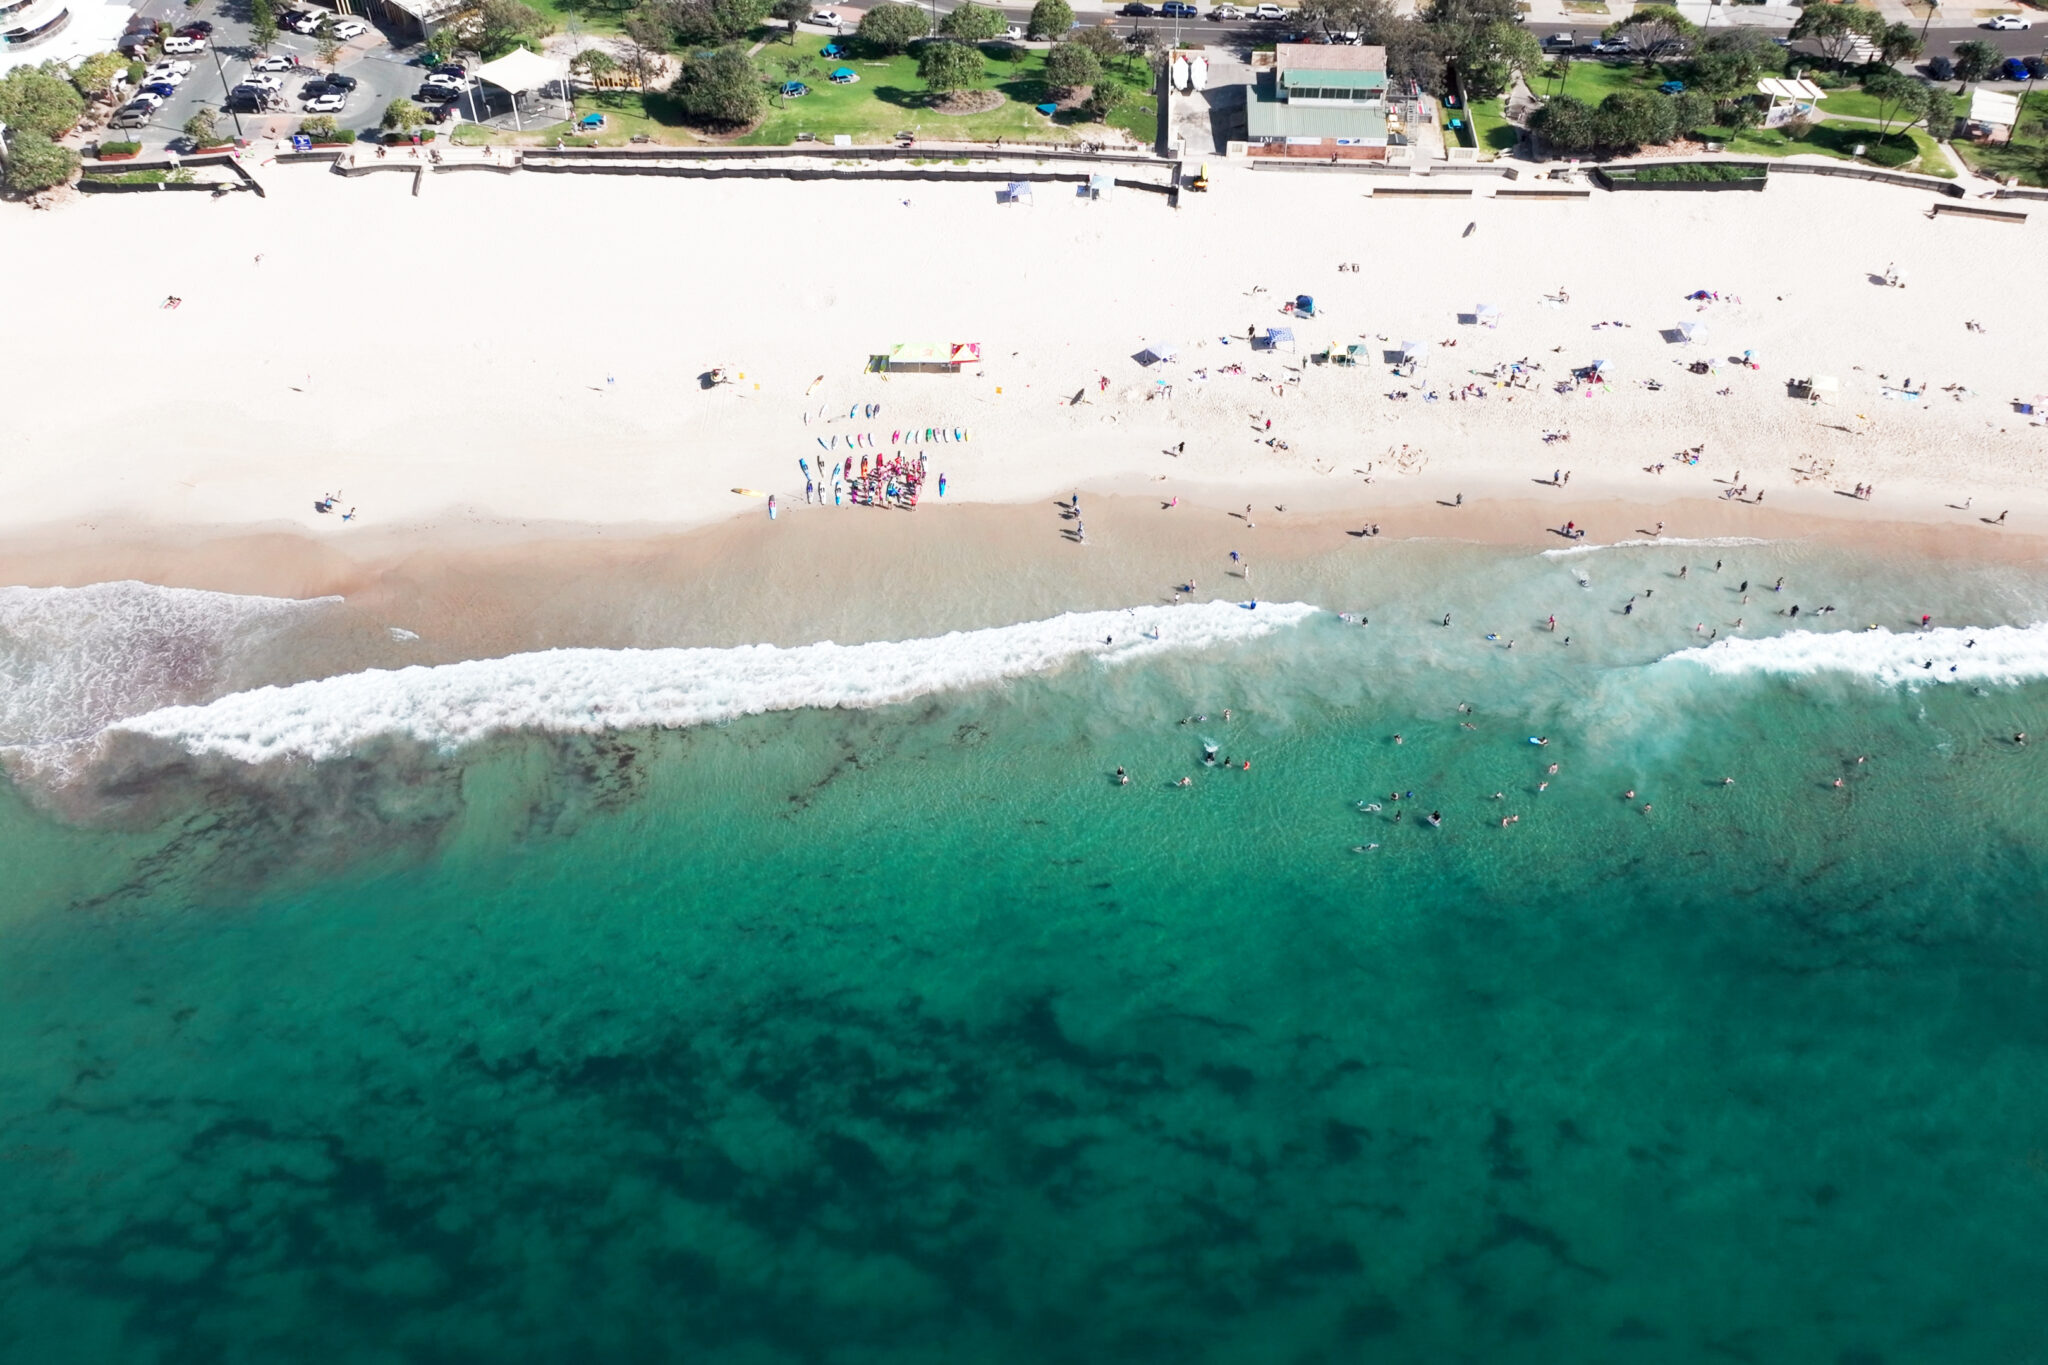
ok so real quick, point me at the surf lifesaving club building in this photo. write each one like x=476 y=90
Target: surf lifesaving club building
x=1322 y=101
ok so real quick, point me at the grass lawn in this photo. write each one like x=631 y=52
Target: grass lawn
x=1465 y=135
x=1593 y=81
x=1835 y=140
x=585 y=16
x=1851 y=104
x=889 y=98
x=2026 y=156
x=1496 y=134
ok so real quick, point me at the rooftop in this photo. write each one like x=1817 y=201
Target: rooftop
x=1328 y=57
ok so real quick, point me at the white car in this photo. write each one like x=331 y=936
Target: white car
x=259 y=82
x=1269 y=12
x=302 y=23
x=1015 y=33
x=826 y=18
x=170 y=73
x=277 y=64
x=333 y=102
x=2008 y=21
x=1225 y=13
x=148 y=97
x=178 y=45
x=348 y=28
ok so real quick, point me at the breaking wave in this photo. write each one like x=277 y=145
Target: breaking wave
x=1709 y=542
x=588 y=690
x=73 y=660
x=1991 y=655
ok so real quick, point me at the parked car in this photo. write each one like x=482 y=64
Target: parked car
x=132 y=115
x=1557 y=42
x=198 y=28
x=173 y=72
x=1941 y=69
x=2037 y=68
x=1225 y=13
x=261 y=82
x=449 y=69
x=283 y=62
x=1179 y=9
x=2008 y=21
x=159 y=89
x=299 y=21
x=348 y=27
x=826 y=18
x=1015 y=33
x=245 y=102
x=327 y=102
x=345 y=84
x=181 y=46
x=2014 y=69
x=1611 y=47
x=1269 y=12
x=1137 y=9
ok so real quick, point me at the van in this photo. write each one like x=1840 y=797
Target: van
x=1269 y=12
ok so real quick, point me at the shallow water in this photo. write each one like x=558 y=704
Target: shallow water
x=904 y=1034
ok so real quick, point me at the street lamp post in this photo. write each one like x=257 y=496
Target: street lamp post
x=227 y=99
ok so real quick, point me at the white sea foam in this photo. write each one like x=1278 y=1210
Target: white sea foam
x=1709 y=542
x=2001 y=654
x=587 y=690
x=74 y=659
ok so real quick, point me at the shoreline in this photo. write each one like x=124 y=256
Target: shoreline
x=865 y=574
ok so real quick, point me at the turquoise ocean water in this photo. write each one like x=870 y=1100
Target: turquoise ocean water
x=905 y=1034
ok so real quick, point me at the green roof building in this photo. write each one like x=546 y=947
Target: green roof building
x=1321 y=101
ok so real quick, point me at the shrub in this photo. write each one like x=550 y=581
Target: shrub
x=890 y=27
x=972 y=23
x=36 y=163
x=1106 y=99
x=945 y=67
x=1892 y=151
x=120 y=148
x=320 y=128
x=1069 y=65
x=1707 y=170
x=719 y=87
x=35 y=101
x=1050 y=19
x=402 y=115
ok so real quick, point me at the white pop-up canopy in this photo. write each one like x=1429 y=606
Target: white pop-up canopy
x=1487 y=314
x=1156 y=353
x=520 y=70
x=1693 y=332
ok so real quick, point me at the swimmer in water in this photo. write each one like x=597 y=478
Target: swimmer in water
x=1436 y=817
x=1466 y=725
x=1464 y=708
x=1500 y=796
x=1542 y=740
x=1397 y=739
x=1185 y=782
x=1646 y=808
x=1447 y=618
x=1122 y=778
x=1553 y=770
x=1838 y=782
x=1543 y=786
x=1629 y=795
x=1727 y=781
x=1363 y=848
x=1369 y=806
x=1226 y=713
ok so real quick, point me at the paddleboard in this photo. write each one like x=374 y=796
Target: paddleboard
x=750 y=492
x=1198 y=73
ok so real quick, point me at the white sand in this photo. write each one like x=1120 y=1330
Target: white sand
x=519 y=350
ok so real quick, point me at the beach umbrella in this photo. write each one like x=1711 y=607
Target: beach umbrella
x=1413 y=350
x=1018 y=192
x=1695 y=333
x=1157 y=353
x=1487 y=314
x=1276 y=335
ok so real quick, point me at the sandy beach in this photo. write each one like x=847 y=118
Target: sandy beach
x=511 y=360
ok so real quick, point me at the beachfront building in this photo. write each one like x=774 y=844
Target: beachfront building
x=37 y=31
x=1327 y=101
x=417 y=19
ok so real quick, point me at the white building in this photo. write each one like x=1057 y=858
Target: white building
x=36 y=31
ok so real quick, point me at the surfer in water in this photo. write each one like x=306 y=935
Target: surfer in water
x=1123 y=779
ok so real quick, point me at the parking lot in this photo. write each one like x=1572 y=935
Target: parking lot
x=381 y=74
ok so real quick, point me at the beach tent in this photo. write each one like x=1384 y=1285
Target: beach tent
x=1695 y=333
x=1414 y=352
x=1101 y=186
x=933 y=357
x=1822 y=388
x=1487 y=314
x=520 y=71
x=1276 y=335
x=1157 y=353
x=1019 y=192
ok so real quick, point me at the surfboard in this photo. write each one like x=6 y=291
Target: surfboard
x=750 y=492
x=1198 y=73
x=1180 y=73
